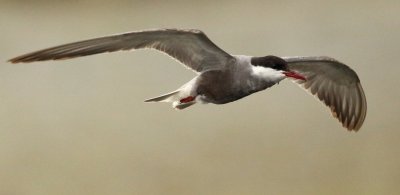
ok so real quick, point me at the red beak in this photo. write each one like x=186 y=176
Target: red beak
x=294 y=75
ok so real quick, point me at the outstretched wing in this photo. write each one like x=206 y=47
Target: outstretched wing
x=335 y=84
x=190 y=47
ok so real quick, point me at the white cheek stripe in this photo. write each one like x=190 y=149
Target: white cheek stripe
x=267 y=73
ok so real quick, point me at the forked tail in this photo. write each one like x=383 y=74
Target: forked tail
x=181 y=98
x=164 y=98
x=177 y=98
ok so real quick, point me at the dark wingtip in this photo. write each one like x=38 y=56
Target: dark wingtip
x=16 y=60
x=28 y=58
x=12 y=61
x=352 y=129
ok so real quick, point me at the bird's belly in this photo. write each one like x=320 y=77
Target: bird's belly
x=223 y=95
x=223 y=87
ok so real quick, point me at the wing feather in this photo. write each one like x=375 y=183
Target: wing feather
x=336 y=85
x=190 y=47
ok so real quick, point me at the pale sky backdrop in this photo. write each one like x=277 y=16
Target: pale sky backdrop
x=81 y=126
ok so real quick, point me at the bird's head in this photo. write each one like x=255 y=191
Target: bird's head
x=277 y=65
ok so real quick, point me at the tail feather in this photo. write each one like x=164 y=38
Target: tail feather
x=162 y=97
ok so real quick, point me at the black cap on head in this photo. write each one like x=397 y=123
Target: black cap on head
x=274 y=62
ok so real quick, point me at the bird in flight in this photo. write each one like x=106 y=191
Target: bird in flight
x=222 y=78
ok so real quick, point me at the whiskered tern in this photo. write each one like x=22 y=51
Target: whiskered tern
x=222 y=78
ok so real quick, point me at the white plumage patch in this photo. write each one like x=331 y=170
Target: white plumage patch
x=268 y=74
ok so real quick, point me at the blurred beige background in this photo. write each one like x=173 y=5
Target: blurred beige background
x=81 y=127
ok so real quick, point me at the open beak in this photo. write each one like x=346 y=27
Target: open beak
x=294 y=75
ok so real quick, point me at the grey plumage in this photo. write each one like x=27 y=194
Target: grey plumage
x=191 y=47
x=335 y=84
x=224 y=78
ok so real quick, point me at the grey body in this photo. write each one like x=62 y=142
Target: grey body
x=233 y=82
x=223 y=78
